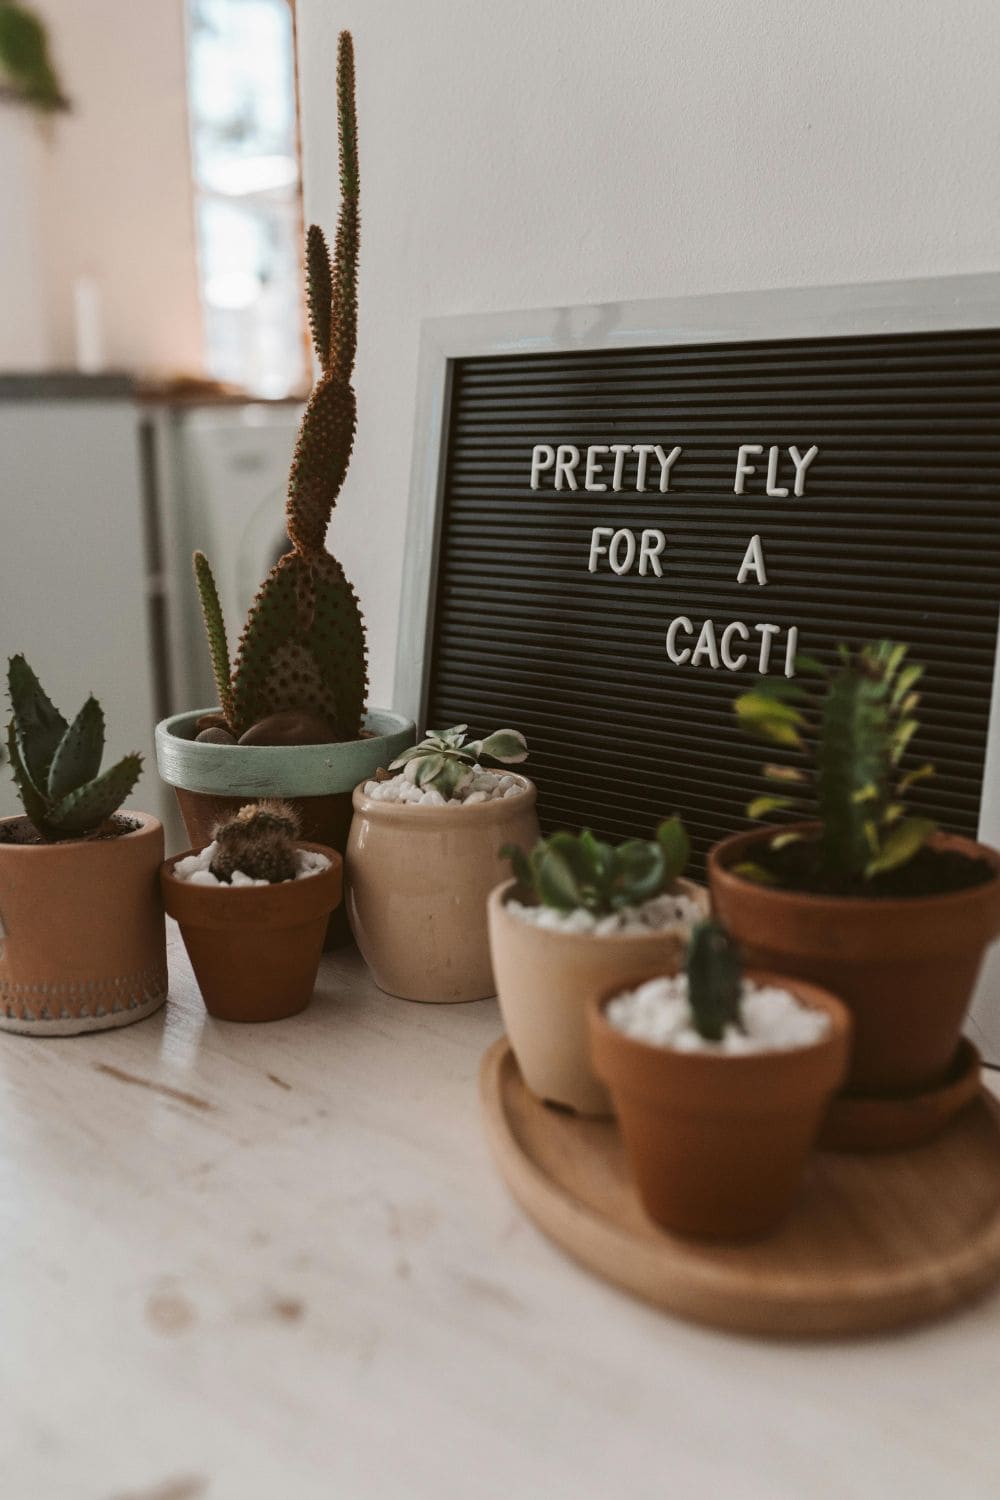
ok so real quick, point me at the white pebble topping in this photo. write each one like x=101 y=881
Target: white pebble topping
x=195 y=868
x=774 y=1021
x=483 y=786
x=655 y=915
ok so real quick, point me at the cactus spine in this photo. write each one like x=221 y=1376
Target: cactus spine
x=259 y=841
x=303 y=644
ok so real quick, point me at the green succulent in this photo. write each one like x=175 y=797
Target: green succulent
x=569 y=871
x=445 y=762
x=27 y=73
x=715 y=980
x=856 y=727
x=57 y=765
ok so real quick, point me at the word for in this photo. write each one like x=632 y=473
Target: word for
x=716 y=646
x=603 y=467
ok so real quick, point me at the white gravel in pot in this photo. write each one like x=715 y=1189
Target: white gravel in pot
x=658 y=1012
x=195 y=868
x=655 y=915
x=484 y=786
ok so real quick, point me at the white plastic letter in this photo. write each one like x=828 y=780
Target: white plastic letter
x=773 y=487
x=666 y=461
x=678 y=657
x=597 y=547
x=790 y=650
x=619 y=450
x=766 y=632
x=614 y=551
x=542 y=458
x=737 y=663
x=742 y=467
x=567 y=458
x=652 y=544
x=801 y=462
x=706 y=646
x=590 y=481
x=643 y=450
x=753 y=562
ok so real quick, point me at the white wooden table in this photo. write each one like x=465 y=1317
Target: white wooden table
x=275 y=1263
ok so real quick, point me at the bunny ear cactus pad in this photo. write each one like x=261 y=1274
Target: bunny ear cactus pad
x=303 y=646
x=56 y=765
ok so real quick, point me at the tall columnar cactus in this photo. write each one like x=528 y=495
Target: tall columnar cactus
x=57 y=765
x=715 y=980
x=303 y=645
x=857 y=734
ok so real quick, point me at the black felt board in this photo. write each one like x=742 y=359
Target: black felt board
x=897 y=534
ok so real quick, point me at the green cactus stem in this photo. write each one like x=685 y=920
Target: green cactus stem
x=259 y=841
x=715 y=980
x=303 y=645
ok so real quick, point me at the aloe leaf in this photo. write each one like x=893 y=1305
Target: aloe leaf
x=78 y=757
x=87 y=807
x=900 y=845
x=38 y=724
x=675 y=845
x=34 y=805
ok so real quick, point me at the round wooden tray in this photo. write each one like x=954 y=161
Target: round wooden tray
x=872 y=1242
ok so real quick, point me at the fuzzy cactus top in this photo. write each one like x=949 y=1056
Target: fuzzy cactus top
x=259 y=841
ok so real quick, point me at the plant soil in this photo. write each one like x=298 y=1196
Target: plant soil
x=931 y=872
x=23 y=831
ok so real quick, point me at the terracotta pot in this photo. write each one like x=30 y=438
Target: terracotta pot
x=212 y=782
x=82 y=939
x=717 y=1143
x=905 y=968
x=417 y=883
x=544 y=980
x=255 y=950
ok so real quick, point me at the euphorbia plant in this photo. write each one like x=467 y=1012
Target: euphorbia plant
x=569 y=871
x=855 y=727
x=57 y=764
x=715 y=980
x=446 y=760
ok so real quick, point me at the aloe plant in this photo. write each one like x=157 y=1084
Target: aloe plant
x=445 y=761
x=569 y=871
x=856 y=729
x=303 y=645
x=714 y=979
x=57 y=765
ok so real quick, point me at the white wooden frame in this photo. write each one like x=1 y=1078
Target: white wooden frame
x=930 y=305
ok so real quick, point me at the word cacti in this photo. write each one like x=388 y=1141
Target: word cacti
x=571 y=871
x=857 y=733
x=303 y=647
x=57 y=765
x=259 y=841
x=715 y=980
x=443 y=760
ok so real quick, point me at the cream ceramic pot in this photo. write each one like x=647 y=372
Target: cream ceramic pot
x=82 y=938
x=544 y=980
x=418 y=879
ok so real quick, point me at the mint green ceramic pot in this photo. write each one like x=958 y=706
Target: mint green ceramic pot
x=212 y=781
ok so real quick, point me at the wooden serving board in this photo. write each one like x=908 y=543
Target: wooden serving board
x=873 y=1242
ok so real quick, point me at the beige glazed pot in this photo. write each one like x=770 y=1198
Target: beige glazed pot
x=418 y=879
x=544 y=981
x=82 y=941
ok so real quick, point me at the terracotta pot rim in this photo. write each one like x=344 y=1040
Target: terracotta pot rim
x=496 y=810
x=148 y=825
x=501 y=893
x=814 y=996
x=234 y=906
x=720 y=855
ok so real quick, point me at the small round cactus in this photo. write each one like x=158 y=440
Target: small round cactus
x=259 y=841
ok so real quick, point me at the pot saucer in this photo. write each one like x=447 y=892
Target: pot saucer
x=870 y=1122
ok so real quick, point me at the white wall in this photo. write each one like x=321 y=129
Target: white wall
x=117 y=185
x=517 y=153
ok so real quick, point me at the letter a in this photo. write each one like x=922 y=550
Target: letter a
x=753 y=562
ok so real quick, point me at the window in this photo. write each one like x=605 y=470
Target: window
x=241 y=87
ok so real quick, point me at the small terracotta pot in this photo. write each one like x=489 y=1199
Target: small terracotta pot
x=211 y=782
x=544 y=980
x=82 y=938
x=717 y=1143
x=905 y=968
x=417 y=883
x=255 y=950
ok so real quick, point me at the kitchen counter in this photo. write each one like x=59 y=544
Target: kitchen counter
x=276 y=1263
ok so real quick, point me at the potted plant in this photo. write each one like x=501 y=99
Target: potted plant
x=82 y=942
x=869 y=902
x=424 y=854
x=578 y=916
x=253 y=908
x=292 y=721
x=720 y=1084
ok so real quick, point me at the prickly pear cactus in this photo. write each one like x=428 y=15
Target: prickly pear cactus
x=303 y=645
